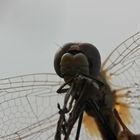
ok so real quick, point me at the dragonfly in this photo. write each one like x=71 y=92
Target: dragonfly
x=29 y=103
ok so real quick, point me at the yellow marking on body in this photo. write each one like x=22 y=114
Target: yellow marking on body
x=123 y=108
x=90 y=125
x=106 y=75
x=124 y=112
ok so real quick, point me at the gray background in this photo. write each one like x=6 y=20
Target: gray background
x=32 y=30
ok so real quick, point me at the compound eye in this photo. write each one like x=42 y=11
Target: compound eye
x=60 y=53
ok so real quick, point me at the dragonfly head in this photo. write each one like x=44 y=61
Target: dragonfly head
x=75 y=58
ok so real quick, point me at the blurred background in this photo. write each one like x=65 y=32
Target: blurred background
x=31 y=31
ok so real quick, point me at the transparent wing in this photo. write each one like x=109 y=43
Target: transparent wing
x=28 y=108
x=121 y=69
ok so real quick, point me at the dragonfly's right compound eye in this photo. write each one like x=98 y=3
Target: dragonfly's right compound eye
x=58 y=56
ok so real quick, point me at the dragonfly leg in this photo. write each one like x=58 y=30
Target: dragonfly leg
x=79 y=126
x=61 y=89
x=79 y=106
x=60 y=124
x=125 y=134
x=76 y=112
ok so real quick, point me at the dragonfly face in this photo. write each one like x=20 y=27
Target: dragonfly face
x=72 y=64
x=74 y=58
